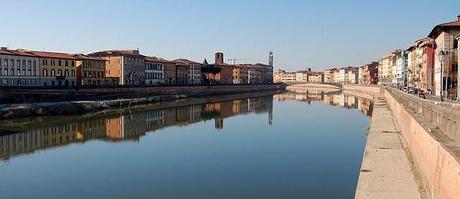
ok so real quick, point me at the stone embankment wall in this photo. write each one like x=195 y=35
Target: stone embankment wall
x=9 y=96
x=436 y=154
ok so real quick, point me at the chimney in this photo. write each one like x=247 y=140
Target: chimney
x=219 y=58
x=4 y=48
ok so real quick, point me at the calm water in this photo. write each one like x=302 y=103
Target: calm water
x=283 y=146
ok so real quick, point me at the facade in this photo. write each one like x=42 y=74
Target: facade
x=353 y=76
x=446 y=58
x=386 y=67
x=341 y=76
x=193 y=70
x=278 y=76
x=170 y=73
x=240 y=74
x=315 y=77
x=91 y=71
x=266 y=72
x=57 y=69
x=329 y=75
x=126 y=65
x=412 y=71
x=424 y=61
x=289 y=77
x=399 y=70
x=154 y=71
x=370 y=73
x=19 y=68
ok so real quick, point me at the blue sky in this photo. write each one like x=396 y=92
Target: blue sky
x=317 y=33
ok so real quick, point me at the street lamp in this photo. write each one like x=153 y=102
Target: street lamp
x=441 y=56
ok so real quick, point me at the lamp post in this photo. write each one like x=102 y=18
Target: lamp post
x=441 y=60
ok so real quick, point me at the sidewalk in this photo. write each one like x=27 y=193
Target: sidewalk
x=385 y=170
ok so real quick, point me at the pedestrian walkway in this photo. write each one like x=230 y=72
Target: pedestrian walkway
x=385 y=170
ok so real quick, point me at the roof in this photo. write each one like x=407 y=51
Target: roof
x=86 y=57
x=156 y=59
x=184 y=61
x=444 y=27
x=40 y=54
x=134 y=53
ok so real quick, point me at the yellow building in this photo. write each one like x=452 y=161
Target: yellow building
x=56 y=69
x=91 y=71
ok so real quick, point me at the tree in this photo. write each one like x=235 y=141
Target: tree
x=209 y=72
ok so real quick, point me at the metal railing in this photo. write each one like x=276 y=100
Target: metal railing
x=444 y=116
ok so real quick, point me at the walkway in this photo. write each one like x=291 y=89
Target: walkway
x=385 y=170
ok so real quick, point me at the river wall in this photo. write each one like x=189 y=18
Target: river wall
x=435 y=154
x=10 y=96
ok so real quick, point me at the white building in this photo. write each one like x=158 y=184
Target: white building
x=398 y=71
x=341 y=76
x=18 y=68
x=154 y=71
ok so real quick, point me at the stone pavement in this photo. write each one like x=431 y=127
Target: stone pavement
x=385 y=170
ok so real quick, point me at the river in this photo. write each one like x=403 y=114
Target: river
x=285 y=145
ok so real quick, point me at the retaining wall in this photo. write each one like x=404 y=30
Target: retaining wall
x=435 y=154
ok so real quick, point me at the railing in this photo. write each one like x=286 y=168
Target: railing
x=444 y=116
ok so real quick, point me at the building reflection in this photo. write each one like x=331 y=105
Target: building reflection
x=131 y=126
x=333 y=99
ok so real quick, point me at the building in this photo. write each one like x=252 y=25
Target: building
x=446 y=58
x=126 y=65
x=19 y=68
x=266 y=72
x=424 y=60
x=189 y=70
x=170 y=72
x=225 y=76
x=386 y=67
x=342 y=75
x=329 y=75
x=91 y=71
x=399 y=70
x=289 y=77
x=278 y=76
x=315 y=77
x=240 y=74
x=370 y=73
x=57 y=69
x=352 y=75
x=413 y=73
x=154 y=71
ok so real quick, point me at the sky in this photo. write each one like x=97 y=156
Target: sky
x=301 y=33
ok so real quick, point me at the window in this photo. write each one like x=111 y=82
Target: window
x=35 y=64
x=45 y=73
x=455 y=43
x=59 y=62
x=66 y=63
x=59 y=72
x=72 y=73
x=53 y=73
x=66 y=73
x=18 y=63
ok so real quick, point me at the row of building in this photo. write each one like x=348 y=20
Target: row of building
x=430 y=64
x=118 y=67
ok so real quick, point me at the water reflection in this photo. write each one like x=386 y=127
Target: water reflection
x=127 y=127
x=339 y=99
x=130 y=127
